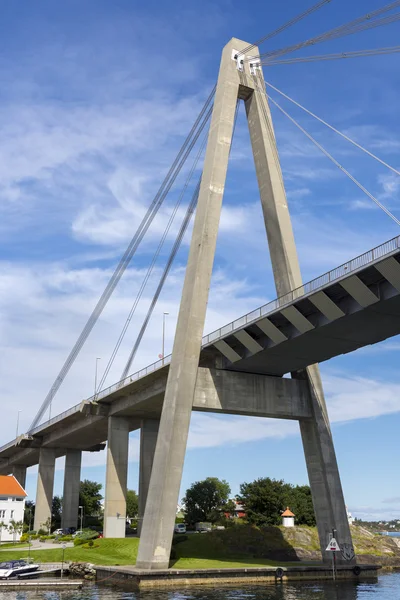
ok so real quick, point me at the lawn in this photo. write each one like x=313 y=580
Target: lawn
x=105 y=552
x=195 y=553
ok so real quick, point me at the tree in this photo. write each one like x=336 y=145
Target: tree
x=264 y=500
x=2 y=526
x=29 y=513
x=56 y=510
x=206 y=500
x=132 y=504
x=15 y=527
x=90 y=497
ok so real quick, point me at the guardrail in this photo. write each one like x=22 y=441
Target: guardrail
x=312 y=286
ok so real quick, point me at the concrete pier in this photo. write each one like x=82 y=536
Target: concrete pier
x=116 y=477
x=44 y=492
x=148 y=440
x=72 y=479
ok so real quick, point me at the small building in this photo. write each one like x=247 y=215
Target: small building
x=288 y=518
x=350 y=517
x=12 y=507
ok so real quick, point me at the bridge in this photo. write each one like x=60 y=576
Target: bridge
x=238 y=369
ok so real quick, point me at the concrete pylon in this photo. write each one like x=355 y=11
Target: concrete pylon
x=44 y=491
x=72 y=479
x=237 y=79
x=323 y=472
x=148 y=441
x=116 y=477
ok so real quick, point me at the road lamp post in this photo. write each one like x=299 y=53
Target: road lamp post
x=16 y=434
x=163 y=336
x=62 y=560
x=81 y=515
x=95 y=378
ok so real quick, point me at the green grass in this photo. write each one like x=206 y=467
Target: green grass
x=107 y=552
x=11 y=545
x=114 y=552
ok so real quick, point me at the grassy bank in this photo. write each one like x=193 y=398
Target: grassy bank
x=242 y=546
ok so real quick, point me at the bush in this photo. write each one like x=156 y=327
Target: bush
x=85 y=537
x=24 y=538
x=90 y=543
x=42 y=532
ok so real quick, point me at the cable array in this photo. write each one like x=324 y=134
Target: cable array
x=367 y=21
x=165 y=187
x=167 y=268
x=335 y=162
x=286 y=25
x=343 y=135
x=152 y=264
x=335 y=56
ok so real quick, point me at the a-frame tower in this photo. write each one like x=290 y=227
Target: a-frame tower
x=238 y=78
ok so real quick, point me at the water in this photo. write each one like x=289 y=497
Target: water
x=386 y=588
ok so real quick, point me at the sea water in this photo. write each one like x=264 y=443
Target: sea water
x=387 y=587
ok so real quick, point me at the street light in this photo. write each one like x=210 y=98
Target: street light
x=16 y=435
x=95 y=378
x=81 y=515
x=163 y=336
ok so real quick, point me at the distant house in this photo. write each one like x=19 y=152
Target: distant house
x=239 y=511
x=12 y=507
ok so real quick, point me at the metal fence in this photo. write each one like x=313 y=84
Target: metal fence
x=351 y=266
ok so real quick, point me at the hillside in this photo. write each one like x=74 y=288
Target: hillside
x=282 y=544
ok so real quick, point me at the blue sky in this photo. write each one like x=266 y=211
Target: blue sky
x=95 y=99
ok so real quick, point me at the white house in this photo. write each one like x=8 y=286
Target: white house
x=288 y=518
x=12 y=506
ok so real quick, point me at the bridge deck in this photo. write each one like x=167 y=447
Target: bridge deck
x=354 y=305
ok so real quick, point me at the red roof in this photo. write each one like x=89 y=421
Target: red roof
x=9 y=486
x=287 y=513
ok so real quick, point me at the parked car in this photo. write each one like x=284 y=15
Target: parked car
x=180 y=528
x=58 y=532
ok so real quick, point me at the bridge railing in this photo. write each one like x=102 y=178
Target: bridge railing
x=312 y=286
x=307 y=288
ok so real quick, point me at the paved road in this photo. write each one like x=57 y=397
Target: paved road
x=36 y=545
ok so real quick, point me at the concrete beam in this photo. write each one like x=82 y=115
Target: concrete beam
x=252 y=395
x=44 y=492
x=116 y=477
x=359 y=291
x=72 y=479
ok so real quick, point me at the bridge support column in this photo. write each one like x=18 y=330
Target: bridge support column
x=72 y=479
x=44 y=492
x=158 y=524
x=19 y=472
x=116 y=477
x=323 y=473
x=148 y=441
x=317 y=439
